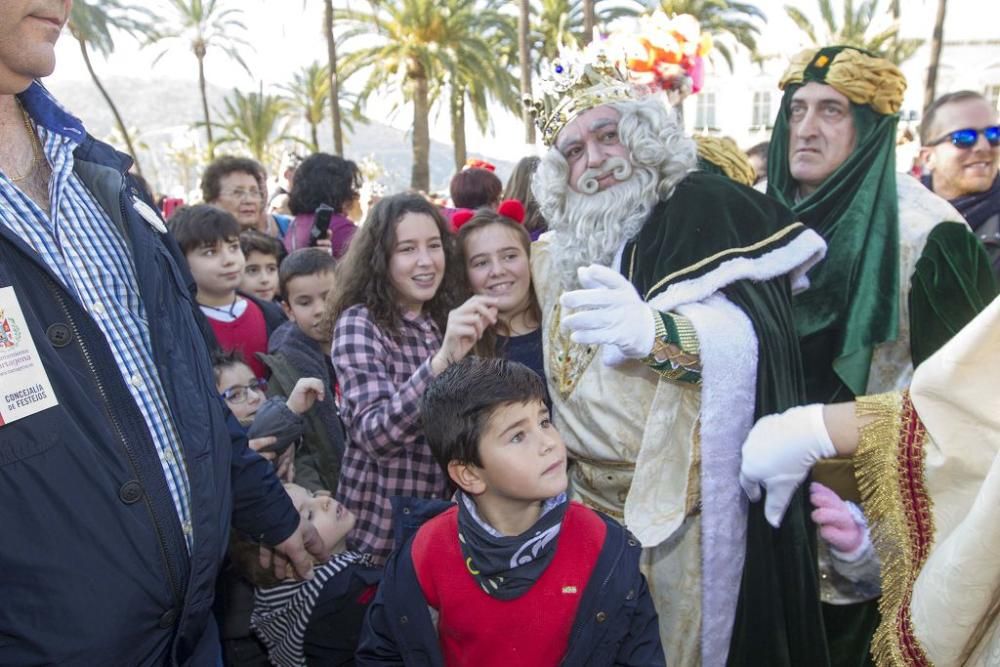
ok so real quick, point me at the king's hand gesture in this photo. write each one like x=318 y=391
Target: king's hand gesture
x=609 y=312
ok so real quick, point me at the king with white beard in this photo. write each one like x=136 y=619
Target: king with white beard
x=665 y=294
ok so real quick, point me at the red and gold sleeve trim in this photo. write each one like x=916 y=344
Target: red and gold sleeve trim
x=889 y=466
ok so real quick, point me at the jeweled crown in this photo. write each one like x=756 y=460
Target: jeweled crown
x=573 y=83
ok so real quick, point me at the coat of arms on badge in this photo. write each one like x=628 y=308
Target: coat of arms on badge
x=10 y=333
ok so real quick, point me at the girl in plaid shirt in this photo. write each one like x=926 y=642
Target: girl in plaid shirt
x=398 y=286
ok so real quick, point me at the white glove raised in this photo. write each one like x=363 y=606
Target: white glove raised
x=609 y=312
x=778 y=454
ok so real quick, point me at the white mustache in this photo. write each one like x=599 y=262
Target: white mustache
x=618 y=167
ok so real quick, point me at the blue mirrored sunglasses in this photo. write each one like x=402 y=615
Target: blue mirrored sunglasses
x=968 y=137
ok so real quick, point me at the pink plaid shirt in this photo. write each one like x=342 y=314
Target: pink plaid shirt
x=381 y=380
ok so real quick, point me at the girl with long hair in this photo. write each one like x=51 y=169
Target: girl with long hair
x=395 y=326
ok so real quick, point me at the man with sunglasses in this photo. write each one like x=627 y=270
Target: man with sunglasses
x=902 y=273
x=961 y=147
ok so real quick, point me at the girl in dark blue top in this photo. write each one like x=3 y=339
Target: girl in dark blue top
x=495 y=249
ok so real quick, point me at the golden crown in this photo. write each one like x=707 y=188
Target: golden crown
x=573 y=83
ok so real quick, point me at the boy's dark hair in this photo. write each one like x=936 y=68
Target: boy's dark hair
x=252 y=240
x=303 y=262
x=202 y=225
x=324 y=179
x=474 y=187
x=222 y=167
x=223 y=359
x=930 y=114
x=458 y=404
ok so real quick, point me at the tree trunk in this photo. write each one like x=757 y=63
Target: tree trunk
x=420 y=178
x=314 y=135
x=111 y=105
x=204 y=105
x=524 y=49
x=937 y=41
x=331 y=53
x=589 y=21
x=458 y=126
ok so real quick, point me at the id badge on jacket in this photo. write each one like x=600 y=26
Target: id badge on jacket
x=24 y=386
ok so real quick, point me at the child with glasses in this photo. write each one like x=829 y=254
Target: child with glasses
x=273 y=426
x=246 y=395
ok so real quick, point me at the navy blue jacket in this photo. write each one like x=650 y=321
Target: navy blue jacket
x=93 y=564
x=616 y=623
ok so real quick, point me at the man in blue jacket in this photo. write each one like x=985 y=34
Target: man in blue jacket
x=120 y=472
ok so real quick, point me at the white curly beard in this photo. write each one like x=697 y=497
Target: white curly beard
x=593 y=227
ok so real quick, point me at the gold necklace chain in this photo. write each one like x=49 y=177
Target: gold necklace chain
x=35 y=148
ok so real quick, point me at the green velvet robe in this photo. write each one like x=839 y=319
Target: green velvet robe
x=707 y=224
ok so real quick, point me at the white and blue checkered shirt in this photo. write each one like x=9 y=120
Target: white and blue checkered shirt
x=82 y=246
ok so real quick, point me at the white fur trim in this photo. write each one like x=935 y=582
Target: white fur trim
x=728 y=396
x=794 y=258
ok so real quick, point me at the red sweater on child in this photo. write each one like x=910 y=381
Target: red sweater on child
x=247 y=333
x=534 y=629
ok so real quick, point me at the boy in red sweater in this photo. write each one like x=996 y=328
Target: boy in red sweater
x=210 y=240
x=512 y=573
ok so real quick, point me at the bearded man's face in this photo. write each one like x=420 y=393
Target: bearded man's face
x=593 y=150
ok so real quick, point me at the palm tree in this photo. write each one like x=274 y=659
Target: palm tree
x=731 y=24
x=258 y=122
x=479 y=66
x=333 y=83
x=853 y=30
x=416 y=46
x=524 y=56
x=308 y=93
x=937 y=41
x=91 y=25
x=565 y=23
x=204 y=25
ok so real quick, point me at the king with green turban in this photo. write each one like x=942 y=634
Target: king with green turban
x=903 y=272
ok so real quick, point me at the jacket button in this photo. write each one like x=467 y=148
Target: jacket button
x=403 y=620
x=168 y=619
x=406 y=510
x=601 y=617
x=631 y=595
x=130 y=492
x=59 y=334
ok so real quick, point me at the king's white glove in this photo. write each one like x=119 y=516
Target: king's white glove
x=609 y=312
x=778 y=454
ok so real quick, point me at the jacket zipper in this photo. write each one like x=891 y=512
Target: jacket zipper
x=118 y=430
x=578 y=625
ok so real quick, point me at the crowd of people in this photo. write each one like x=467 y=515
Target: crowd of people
x=652 y=401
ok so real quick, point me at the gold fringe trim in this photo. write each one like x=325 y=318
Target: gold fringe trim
x=861 y=78
x=889 y=465
x=727 y=156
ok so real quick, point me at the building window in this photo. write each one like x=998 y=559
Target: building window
x=762 y=116
x=992 y=95
x=704 y=118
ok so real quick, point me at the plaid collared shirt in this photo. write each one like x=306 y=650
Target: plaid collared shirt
x=382 y=380
x=81 y=245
